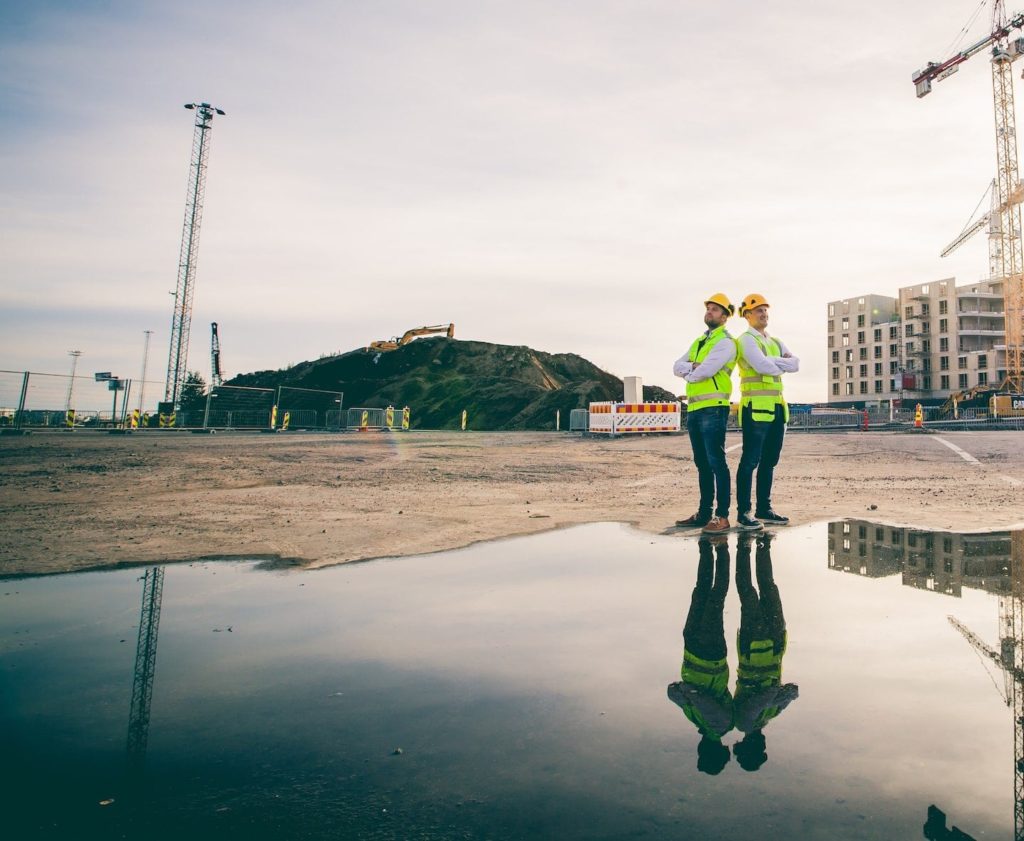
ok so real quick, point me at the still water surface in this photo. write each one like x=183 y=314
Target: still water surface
x=520 y=689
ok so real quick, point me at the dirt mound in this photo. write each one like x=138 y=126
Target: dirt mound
x=500 y=386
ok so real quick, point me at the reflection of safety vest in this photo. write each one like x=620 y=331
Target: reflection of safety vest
x=712 y=676
x=762 y=392
x=759 y=668
x=716 y=390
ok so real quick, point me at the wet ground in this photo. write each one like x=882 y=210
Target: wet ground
x=527 y=688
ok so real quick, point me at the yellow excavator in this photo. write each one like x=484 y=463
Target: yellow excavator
x=395 y=342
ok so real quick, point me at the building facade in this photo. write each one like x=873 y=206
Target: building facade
x=929 y=341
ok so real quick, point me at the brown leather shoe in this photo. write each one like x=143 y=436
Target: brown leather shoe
x=694 y=521
x=718 y=525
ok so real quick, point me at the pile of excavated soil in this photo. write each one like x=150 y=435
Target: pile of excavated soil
x=78 y=500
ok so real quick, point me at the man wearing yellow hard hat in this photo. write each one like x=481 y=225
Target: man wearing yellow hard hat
x=707 y=369
x=764 y=413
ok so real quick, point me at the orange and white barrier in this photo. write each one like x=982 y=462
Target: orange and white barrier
x=620 y=418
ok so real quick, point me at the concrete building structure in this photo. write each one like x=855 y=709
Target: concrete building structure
x=942 y=562
x=931 y=340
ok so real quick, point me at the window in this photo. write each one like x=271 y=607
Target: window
x=982 y=377
x=846 y=340
x=849 y=389
x=962 y=363
x=926 y=346
x=908 y=329
x=894 y=331
x=831 y=326
x=943 y=325
x=926 y=382
x=878 y=352
x=878 y=386
x=863 y=388
x=926 y=364
x=831 y=310
x=943 y=363
x=925 y=309
x=962 y=381
x=863 y=370
x=860 y=320
x=849 y=356
x=909 y=348
x=943 y=345
x=863 y=353
x=849 y=372
x=894 y=367
x=835 y=356
x=982 y=361
x=846 y=324
x=860 y=337
x=894 y=350
x=830 y=342
x=835 y=372
x=943 y=307
x=878 y=369
x=924 y=289
x=860 y=303
x=926 y=327
x=908 y=312
x=835 y=389
x=944 y=382
x=878 y=334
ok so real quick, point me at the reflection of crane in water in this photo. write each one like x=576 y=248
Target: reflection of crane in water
x=1010 y=658
x=145 y=664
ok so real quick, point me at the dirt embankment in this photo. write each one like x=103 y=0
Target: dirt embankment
x=78 y=501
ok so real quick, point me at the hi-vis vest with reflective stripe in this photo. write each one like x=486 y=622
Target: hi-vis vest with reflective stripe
x=762 y=392
x=716 y=390
x=713 y=677
x=760 y=668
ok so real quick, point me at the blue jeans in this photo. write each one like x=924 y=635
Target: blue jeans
x=706 y=428
x=762 y=446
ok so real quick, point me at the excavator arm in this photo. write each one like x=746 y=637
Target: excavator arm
x=396 y=342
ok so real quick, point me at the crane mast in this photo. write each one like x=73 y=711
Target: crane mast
x=177 y=359
x=145 y=664
x=1006 y=253
x=216 y=376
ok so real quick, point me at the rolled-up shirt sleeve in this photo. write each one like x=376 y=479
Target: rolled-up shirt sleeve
x=718 y=357
x=759 y=362
x=682 y=366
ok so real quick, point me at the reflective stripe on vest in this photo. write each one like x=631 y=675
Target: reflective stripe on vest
x=717 y=389
x=761 y=392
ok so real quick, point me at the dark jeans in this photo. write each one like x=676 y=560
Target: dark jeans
x=762 y=446
x=707 y=438
x=704 y=631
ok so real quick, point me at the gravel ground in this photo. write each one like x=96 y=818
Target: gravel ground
x=73 y=501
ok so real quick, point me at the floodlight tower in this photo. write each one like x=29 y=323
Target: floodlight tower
x=177 y=360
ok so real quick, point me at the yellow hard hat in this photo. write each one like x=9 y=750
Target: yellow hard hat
x=752 y=301
x=720 y=299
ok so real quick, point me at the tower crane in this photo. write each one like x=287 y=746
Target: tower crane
x=145 y=665
x=1010 y=659
x=216 y=376
x=181 y=322
x=1005 y=248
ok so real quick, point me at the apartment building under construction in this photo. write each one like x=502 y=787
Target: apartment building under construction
x=930 y=341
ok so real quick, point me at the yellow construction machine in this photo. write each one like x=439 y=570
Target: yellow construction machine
x=395 y=342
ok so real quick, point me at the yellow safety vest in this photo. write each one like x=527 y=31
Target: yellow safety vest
x=759 y=669
x=716 y=390
x=762 y=392
x=711 y=676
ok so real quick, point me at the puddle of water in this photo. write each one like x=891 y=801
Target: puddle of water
x=527 y=685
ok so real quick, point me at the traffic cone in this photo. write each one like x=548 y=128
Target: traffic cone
x=918 y=417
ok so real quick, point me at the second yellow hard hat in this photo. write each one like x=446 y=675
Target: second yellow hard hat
x=752 y=301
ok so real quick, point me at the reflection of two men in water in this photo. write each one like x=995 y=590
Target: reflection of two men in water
x=759 y=694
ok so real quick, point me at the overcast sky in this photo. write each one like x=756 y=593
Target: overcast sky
x=576 y=177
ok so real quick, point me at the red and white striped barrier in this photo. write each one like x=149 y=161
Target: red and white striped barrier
x=615 y=418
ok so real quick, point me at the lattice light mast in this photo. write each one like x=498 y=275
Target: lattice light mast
x=177 y=360
x=1006 y=253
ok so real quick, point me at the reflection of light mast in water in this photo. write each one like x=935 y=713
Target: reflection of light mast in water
x=145 y=664
x=1010 y=658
